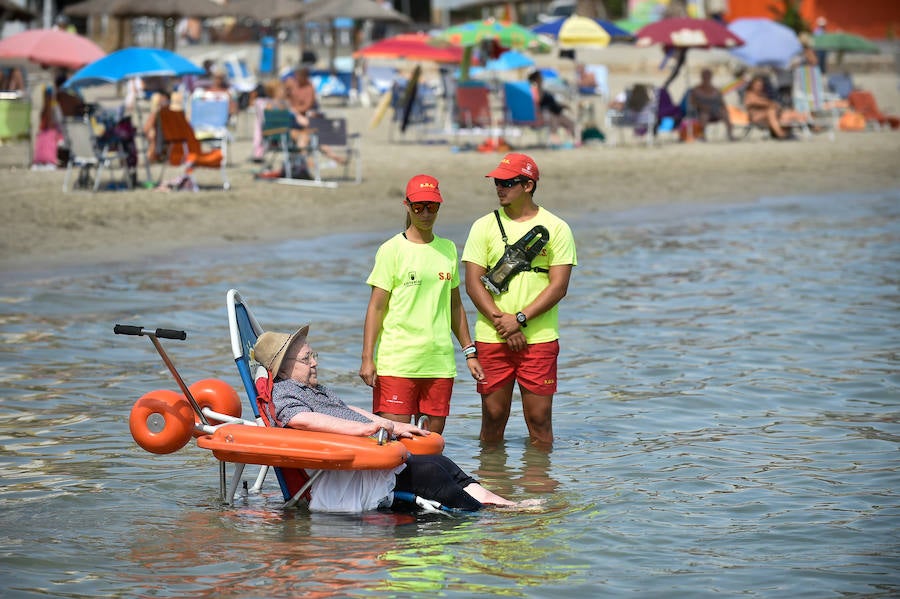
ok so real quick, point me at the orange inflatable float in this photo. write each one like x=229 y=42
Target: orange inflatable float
x=163 y=421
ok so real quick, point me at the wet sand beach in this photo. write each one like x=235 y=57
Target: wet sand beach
x=42 y=227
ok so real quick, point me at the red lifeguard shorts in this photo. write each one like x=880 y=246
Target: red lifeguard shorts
x=534 y=367
x=401 y=395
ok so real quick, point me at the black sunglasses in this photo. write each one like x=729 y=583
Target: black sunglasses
x=507 y=183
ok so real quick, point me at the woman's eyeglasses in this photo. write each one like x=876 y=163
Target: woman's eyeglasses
x=308 y=358
x=419 y=207
x=507 y=183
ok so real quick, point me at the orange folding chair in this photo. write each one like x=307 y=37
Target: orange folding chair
x=184 y=149
x=864 y=103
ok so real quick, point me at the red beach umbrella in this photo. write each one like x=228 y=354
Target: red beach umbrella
x=412 y=46
x=51 y=47
x=685 y=32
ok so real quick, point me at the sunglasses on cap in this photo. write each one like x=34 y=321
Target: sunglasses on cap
x=507 y=183
x=420 y=207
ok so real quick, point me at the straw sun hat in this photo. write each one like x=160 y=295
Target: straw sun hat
x=271 y=347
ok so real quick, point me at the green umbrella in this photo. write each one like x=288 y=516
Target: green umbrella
x=508 y=35
x=472 y=33
x=844 y=42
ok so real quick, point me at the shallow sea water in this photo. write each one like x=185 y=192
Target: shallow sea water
x=727 y=423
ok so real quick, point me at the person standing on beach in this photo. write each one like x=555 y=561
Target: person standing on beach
x=415 y=305
x=517 y=331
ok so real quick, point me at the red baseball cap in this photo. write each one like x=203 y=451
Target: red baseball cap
x=423 y=188
x=514 y=165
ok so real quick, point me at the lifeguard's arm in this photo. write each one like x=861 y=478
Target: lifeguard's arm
x=459 y=324
x=378 y=303
x=476 y=290
x=506 y=324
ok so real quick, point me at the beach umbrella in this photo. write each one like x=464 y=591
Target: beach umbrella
x=411 y=46
x=169 y=11
x=506 y=34
x=358 y=10
x=840 y=41
x=130 y=63
x=766 y=43
x=133 y=62
x=162 y=9
x=680 y=34
x=686 y=32
x=509 y=61
x=581 y=31
x=51 y=47
x=10 y=11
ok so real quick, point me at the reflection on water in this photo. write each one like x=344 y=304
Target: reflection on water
x=727 y=423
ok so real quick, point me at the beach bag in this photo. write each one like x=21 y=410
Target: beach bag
x=852 y=121
x=45 y=143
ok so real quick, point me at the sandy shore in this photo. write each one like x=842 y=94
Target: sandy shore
x=40 y=227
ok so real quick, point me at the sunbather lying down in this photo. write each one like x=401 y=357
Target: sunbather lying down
x=301 y=402
x=765 y=112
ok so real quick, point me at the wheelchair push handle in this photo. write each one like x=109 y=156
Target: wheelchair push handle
x=130 y=329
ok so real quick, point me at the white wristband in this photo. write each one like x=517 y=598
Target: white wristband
x=468 y=351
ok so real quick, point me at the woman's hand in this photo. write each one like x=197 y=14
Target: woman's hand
x=404 y=429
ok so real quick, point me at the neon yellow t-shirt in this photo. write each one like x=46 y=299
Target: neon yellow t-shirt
x=484 y=247
x=415 y=339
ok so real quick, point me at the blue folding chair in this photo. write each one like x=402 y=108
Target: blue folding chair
x=244 y=330
x=521 y=111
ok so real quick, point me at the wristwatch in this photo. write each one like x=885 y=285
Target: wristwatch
x=521 y=319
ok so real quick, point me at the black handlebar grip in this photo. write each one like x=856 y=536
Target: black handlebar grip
x=171 y=334
x=127 y=329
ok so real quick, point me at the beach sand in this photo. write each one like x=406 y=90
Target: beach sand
x=41 y=227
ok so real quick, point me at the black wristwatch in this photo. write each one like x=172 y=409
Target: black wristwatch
x=521 y=319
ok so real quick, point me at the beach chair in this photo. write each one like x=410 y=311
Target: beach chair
x=637 y=113
x=331 y=132
x=15 y=120
x=295 y=483
x=244 y=330
x=812 y=101
x=472 y=110
x=521 y=111
x=209 y=116
x=601 y=81
x=85 y=154
x=864 y=103
x=184 y=150
x=277 y=124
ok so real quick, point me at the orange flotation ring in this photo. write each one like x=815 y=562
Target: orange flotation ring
x=217 y=395
x=292 y=448
x=162 y=421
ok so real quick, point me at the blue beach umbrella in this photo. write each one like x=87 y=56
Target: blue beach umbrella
x=766 y=43
x=552 y=28
x=509 y=61
x=133 y=62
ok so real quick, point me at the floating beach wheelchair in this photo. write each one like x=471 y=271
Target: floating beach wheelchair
x=164 y=421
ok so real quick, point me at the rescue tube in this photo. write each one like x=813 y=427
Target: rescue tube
x=424 y=445
x=216 y=395
x=162 y=421
x=292 y=448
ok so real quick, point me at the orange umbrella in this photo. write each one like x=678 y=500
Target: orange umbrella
x=411 y=46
